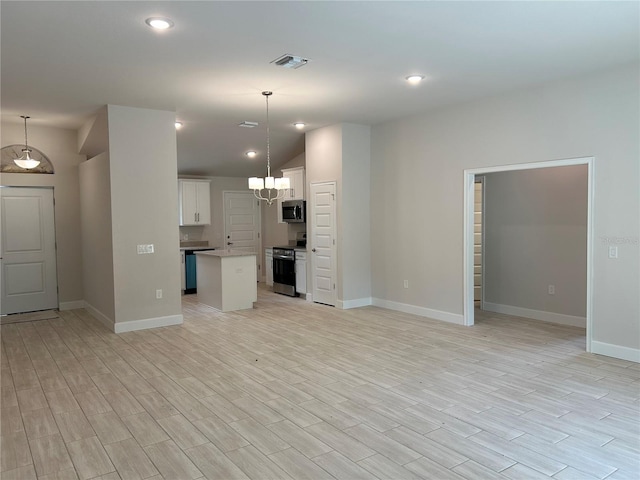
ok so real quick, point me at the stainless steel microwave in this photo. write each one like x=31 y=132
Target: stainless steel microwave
x=293 y=211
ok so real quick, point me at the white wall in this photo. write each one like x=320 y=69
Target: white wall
x=144 y=196
x=341 y=153
x=355 y=228
x=323 y=150
x=59 y=145
x=97 y=244
x=535 y=235
x=417 y=185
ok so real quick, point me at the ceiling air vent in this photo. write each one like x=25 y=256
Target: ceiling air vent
x=290 y=61
x=248 y=124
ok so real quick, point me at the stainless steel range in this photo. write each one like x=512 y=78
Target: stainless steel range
x=284 y=266
x=284 y=271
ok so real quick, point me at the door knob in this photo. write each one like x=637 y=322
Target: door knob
x=229 y=243
x=313 y=250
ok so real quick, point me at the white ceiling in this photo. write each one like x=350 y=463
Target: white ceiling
x=61 y=61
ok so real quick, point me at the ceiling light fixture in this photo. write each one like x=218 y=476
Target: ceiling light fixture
x=415 y=79
x=25 y=160
x=273 y=188
x=251 y=153
x=299 y=125
x=178 y=125
x=159 y=23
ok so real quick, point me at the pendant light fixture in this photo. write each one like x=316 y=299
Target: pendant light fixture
x=269 y=189
x=25 y=160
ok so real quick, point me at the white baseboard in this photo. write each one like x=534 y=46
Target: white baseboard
x=71 y=305
x=421 y=311
x=101 y=317
x=133 y=325
x=536 y=314
x=615 y=351
x=358 y=302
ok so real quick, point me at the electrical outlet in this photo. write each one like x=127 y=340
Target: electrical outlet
x=158 y=293
x=613 y=251
x=406 y=284
x=552 y=289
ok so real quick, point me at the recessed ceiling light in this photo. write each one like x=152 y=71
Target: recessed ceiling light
x=415 y=79
x=159 y=23
x=178 y=125
x=299 y=125
x=251 y=154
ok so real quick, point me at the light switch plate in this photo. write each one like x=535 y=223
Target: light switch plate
x=142 y=249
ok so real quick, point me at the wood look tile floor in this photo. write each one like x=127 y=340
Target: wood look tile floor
x=296 y=390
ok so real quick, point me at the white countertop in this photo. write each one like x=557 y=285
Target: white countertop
x=225 y=253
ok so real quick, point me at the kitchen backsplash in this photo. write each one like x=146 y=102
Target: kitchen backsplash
x=293 y=229
x=191 y=234
x=205 y=233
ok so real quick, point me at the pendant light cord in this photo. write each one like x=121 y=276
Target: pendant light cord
x=267 y=94
x=26 y=143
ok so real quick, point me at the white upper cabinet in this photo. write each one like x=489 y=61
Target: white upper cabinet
x=296 y=192
x=296 y=179
x=195 y=206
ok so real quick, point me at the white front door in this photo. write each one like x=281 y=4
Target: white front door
x=242 y=224
x=28 y=246
x=323 y=242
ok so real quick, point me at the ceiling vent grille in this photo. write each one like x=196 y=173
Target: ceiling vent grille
x=248 y=124
x=290 y=61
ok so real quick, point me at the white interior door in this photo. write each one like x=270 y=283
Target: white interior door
x=323 y=242
x=242 y=224
x=28 y=246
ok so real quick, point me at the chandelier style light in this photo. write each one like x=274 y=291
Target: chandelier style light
x=25 y=160
x=269 y=189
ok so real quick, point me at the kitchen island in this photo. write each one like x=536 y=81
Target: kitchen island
x=227 y=279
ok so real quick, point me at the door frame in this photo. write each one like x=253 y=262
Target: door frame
x=481 y=179
x=469 y=180
x=55 y=233
x=259 y=252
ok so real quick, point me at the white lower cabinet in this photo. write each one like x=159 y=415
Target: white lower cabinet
x=183 y=279
x=301 y=272
x=268 y=261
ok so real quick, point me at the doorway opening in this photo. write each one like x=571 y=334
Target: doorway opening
x=470 y=233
